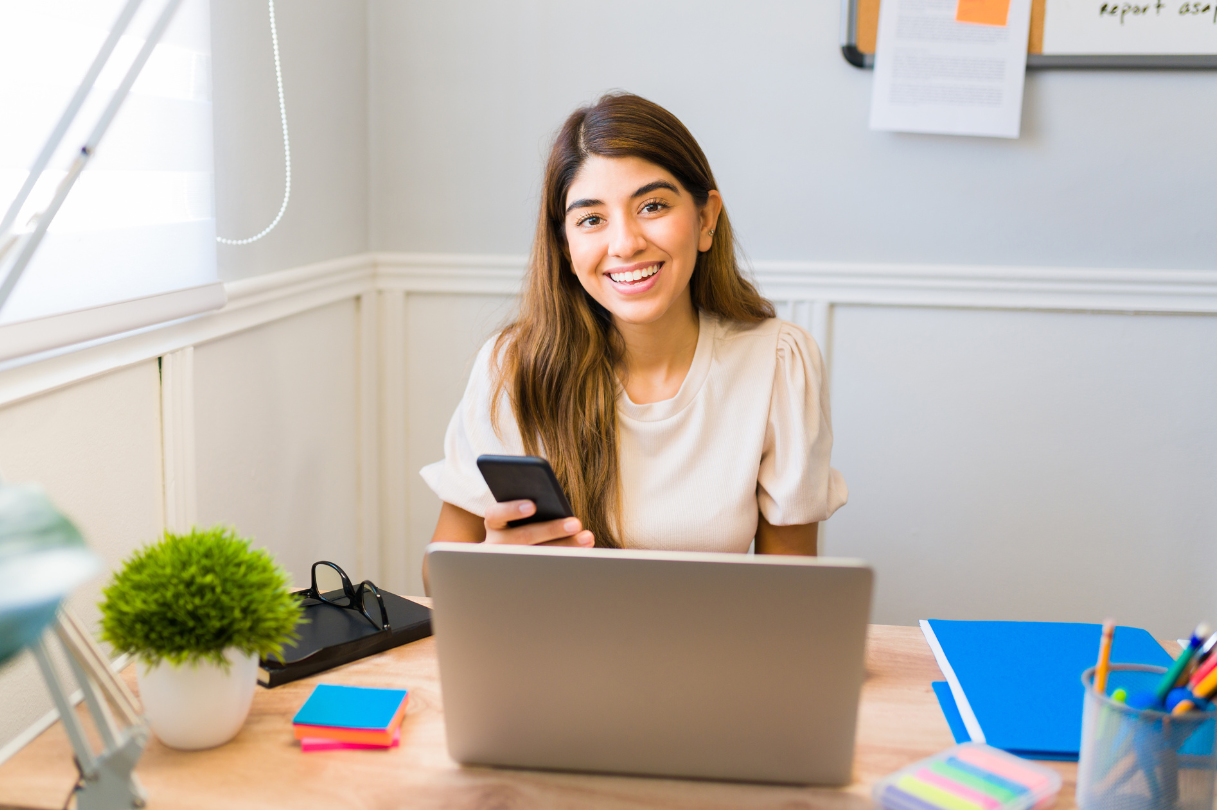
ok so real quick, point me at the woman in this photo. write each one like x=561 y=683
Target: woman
x=676 y=410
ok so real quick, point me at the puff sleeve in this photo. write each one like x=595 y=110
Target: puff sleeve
x=456 y=479
x=795 y=484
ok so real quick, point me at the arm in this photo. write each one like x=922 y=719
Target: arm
x=802 y=538
x=455 y=525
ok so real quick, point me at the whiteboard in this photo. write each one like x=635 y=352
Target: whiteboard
x=1130 y=27
x=1082 y=33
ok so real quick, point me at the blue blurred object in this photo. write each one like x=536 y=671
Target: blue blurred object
x=43 y=558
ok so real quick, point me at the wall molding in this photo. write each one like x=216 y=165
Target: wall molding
x=251 y=303
x=270 y=297
x=912 y=285
x=994 y=287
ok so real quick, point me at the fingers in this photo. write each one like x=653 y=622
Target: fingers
x=498 y=514
x=580 y=540
x=538 y=533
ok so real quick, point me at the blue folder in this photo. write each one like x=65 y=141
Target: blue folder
x=1022 y=680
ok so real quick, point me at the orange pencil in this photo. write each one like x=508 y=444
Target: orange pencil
x=1100 y=671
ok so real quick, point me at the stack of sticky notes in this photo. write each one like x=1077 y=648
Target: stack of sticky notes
x=971 y=776
x=337 y=717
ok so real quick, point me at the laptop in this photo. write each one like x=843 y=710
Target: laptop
x=701 y=665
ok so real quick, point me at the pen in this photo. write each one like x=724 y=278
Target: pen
x=1100 y=671
x=1202 y=672
x=1207 y=650
x=1168 y=680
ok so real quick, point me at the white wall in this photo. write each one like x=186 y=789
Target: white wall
x=1029 y=465
x=95 y=447
x=323 y=54
x=276 y=426
x=1002 y=464
x=438 y=359
x=1114 y=168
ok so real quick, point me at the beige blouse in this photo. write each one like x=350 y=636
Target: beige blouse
x=748 y=430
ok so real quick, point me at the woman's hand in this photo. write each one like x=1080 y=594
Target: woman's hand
x=563 y=532
x=455 y=525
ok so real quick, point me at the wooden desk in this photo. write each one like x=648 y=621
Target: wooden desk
x=899 y=722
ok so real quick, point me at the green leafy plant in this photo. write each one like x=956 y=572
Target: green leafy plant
x=191 y=596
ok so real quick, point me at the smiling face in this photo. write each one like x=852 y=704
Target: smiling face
x=634 y=234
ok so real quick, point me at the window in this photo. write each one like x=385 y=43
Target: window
x=134 y=243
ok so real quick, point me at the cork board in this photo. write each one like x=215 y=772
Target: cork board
x=868 y=26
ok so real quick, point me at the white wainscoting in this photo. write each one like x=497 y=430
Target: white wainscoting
x=305 y=407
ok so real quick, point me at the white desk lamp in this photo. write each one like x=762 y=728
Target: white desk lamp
x=43 y=558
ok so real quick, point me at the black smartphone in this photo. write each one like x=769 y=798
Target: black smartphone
x=518 y=478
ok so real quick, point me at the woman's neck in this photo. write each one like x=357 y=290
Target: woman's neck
x=658 y=355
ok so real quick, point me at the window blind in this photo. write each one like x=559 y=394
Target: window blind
x=134 y=243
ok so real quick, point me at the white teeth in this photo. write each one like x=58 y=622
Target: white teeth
x=636 y=275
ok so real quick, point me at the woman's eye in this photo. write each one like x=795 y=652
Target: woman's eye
x=653 y=207
x=590 y=219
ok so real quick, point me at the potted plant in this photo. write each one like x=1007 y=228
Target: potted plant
x=197 y=610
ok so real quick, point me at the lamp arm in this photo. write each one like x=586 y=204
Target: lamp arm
x=43 y=219
x=107 y=778
x=69 y=115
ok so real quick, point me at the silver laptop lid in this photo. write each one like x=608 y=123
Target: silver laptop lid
x=718 y=666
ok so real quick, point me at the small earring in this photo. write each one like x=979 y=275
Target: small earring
x=711 y=231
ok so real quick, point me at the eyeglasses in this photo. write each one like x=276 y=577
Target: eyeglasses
x=332 y=586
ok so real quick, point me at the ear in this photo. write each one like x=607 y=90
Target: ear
x=708 y=220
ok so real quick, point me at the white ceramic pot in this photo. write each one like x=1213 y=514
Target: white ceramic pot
x=198 y=705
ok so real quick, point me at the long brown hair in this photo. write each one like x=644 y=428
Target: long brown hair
x=558 y=360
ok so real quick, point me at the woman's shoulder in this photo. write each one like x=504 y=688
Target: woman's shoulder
x=784 y=347
x=769 y=335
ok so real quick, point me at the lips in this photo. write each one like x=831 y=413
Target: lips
x=635 y=278
x=634 y=273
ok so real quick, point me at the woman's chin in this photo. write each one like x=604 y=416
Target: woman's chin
x=640 y=313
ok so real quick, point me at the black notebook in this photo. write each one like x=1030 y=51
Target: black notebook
x=332 y=636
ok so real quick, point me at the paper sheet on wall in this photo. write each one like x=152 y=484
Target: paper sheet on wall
x=934 y=74
x=1136 y=26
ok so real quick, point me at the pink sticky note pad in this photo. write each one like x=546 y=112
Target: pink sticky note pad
x=325 y=744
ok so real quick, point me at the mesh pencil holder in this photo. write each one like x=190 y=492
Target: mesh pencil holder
x=1143 y=759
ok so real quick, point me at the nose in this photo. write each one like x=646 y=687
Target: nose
x=625 y=238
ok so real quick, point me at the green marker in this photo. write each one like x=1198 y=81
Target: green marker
x=1119 y=696
x=1176 y=669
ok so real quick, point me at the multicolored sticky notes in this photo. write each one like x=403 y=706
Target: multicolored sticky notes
x=969 y=777
x=325 y=744
x=353 y=714
x=984 y=12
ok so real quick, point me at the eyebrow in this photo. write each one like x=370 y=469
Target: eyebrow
x=647 y=189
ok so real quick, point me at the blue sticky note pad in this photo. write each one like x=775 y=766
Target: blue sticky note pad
x=357 y=707
x=1023 y=679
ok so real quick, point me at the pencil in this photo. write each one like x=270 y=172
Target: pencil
x=1100 y=671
